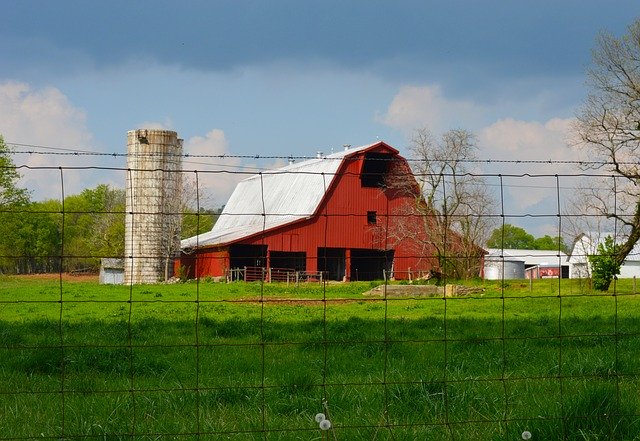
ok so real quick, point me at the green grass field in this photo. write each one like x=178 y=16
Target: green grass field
x=258 y=361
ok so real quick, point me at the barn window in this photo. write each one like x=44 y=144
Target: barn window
x=371 y=217
x=374 y=169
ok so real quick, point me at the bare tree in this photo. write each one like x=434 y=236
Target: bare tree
x=191 y=218
x=608 y=126
x=449 y=220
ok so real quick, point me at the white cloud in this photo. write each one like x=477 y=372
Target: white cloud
x=426 y=106
x=513 y=140
x=504 y=139
x=156 y=125
x=217 y=174
x=45 y=117
x=527 y=140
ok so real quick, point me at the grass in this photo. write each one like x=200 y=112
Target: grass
x=249 y=361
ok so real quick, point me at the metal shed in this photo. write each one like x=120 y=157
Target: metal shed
x=112 y=271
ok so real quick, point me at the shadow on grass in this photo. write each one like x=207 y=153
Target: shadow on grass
x=402 y=366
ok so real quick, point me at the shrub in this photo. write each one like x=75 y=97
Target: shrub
x=604 y=266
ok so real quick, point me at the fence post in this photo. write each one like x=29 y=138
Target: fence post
x=634 y=284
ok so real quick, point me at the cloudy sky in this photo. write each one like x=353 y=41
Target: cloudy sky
x=290 y=77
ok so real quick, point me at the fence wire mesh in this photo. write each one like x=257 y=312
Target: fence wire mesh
x=392 y=354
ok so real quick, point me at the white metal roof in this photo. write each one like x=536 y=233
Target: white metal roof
x=274 y=198
x=529 y=257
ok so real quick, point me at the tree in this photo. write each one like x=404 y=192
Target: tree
x=38 y=238
x=604 y=265
x=13 y=204
x=511 y=237
x=547 y=242
x=608 y=126
x=10 y=194
x=194 y=223
x=452 y=202
x=93 y=227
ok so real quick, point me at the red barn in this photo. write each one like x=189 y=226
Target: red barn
x=330 y=215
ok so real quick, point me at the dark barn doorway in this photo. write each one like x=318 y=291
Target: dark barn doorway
x=288 y=260
x=241 y=256
x=331 y=261
x=371 y=264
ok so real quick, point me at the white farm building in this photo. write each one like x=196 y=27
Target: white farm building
x=586 y=245
x=520 y=264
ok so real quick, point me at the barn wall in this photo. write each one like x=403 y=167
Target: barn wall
x=211 y=262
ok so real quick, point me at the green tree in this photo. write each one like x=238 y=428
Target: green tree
x=38 y=238
x=604 y=265
x=510 y=236
x=547 y=242
x=93 y=227
x=10 y=194
x=13 y=205
x=197 y=223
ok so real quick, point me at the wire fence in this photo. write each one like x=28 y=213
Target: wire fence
x=274 y=335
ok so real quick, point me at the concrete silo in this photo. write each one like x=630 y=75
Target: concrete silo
x=153 y=219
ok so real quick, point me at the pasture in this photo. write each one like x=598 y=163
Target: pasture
x=253 y=361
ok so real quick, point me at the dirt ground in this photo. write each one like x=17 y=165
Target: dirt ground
x=67 y=277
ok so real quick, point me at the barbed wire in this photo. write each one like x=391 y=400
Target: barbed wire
x=82 y=152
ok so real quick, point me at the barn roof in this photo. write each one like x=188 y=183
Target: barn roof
x=529 y=257
x=587 y=244
x=276 y=197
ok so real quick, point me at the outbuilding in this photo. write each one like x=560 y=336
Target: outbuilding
x=499 y=265
x=525 y=264
x=586 y=244
x=111 y=271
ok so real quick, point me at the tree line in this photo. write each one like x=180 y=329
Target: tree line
x=71 y=234
x=512 y=237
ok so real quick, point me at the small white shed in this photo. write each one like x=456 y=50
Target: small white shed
x=112 y=271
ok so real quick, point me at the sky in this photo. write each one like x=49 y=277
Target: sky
x=285 y=78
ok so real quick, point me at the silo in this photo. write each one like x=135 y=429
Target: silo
x=153 y=219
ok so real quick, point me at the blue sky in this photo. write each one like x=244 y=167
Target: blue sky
x=284 y=77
